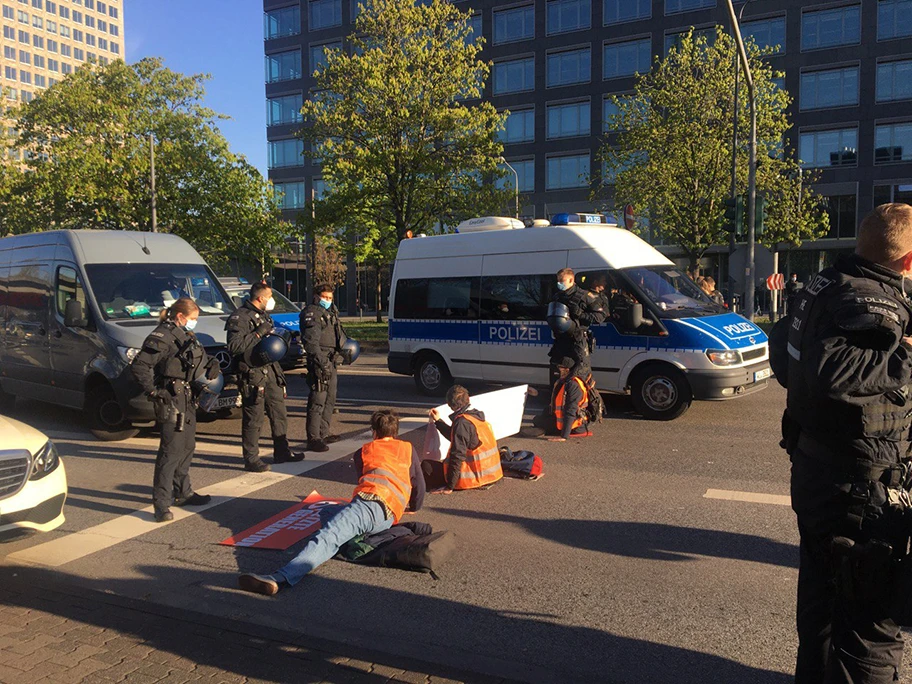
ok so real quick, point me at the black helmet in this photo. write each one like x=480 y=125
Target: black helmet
x=208 y=390
x=559 y=318
x=351 y=350
x=271 y=349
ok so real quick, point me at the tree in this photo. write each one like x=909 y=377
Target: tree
x=400 y=148
x=672 y=156
x=87 y=146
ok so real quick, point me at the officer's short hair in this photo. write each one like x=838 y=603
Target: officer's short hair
x=564 y=272
x=385 y=423
x=885 y=234
x=324 y=287
x=257 y=290
x=457 y=397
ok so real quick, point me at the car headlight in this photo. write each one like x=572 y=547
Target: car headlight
x=45 y=461
x=724 y=357
x=127 y=353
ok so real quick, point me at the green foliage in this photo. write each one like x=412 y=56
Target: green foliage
x=87 y=140
x=672 y=156
x=399 y=147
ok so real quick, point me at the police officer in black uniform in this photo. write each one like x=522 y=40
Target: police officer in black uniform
x=845 y=356
x=170 y=360
x=586 y=309
x=323 y=338
x=263 y=387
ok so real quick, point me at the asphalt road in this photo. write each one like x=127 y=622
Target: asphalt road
x=615 y=567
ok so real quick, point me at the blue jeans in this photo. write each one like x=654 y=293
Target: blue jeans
x=350 y=521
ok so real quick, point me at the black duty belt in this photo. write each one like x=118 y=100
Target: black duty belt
x=854 y=467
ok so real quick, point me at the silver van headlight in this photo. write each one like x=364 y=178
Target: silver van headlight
x=45 y=461
x=724 y=357
x=127 y=353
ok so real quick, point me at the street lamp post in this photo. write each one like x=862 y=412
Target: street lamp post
x=152 y=181
x=516 y=183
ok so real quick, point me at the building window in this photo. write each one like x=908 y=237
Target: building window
x=829 y=148
x=828 y=28
x=568 y=67
x=894 y=81
x=570 y=171
x=514 y=76
x=283 y=153
x=893 y=19
x=77 y=35
x=610 y=112
x=66 y=68
x=37 y=4
x=766 y=33
x=282 y=22
x=102 y=25
x=283 y=66
x=90 y=40
x=8 y=13
x=90 y=21
x=284 y=110
x=53 y=65
x=115 y=48
x=618 y=11
x=22 y=16
x=291 y=194
x=51 y=26
x=25 y=57
x=519 y=126
x=52 y=45
x=884 y=194
x=24 y=37
x=25 y=76
x=37 y=41
x=65 y=31
x=475 y=22
x=26 y=95
x=893 y=143
x=9 y=33
x=842 y=210
x=324 y=13
x=568 y=120
x=677 y=6
x=40 y=81
x=64 y=12
x=830 y=88
x=39 y=62
x=525 y=172
x=10 y=73
x=516 y=23
x=66 y=50
x=90 y=4
x=674 y=39
x=78 y=54
x=318 y=54
x=627 y=58
x=568 y=15
x=113 y=30
x=113 y=12
x=102 y=44
x=77 y=16
x=9 y=52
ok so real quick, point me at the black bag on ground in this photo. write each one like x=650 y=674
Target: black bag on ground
x=595 y=406
x=408 y=546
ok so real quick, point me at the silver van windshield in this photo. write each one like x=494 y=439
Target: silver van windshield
x=136 y=291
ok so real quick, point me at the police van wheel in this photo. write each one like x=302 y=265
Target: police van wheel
x=105 y=416
x=432 y=377
x=660 y=392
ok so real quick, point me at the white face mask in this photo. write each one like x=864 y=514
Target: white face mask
x=270 y=305
x=190 y=324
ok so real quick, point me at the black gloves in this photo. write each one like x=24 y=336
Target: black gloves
x=263 y=328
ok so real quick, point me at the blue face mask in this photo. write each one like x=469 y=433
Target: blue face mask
x=562 y=286
x=325 y=304
x=190 y=325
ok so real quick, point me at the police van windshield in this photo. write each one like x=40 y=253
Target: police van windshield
x=672 y=292
x=138 y=291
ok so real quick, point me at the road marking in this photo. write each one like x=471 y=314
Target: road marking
x=83 y=543
x=374 y=402
x=750 y=497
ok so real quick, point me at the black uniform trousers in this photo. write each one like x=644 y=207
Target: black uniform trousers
x=840 y=641
x=320 y=403
x=172 y=466
x=268 y=399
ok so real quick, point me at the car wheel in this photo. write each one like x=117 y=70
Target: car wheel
x=432 y=377
x=105 y=415
x=660 y=392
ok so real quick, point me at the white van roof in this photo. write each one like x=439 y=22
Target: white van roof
x=617 y=247
x=126 y=246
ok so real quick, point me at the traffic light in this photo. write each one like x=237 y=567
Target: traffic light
x=734 y=216
x=760 y=216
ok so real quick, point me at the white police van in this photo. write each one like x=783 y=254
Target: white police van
x=473 y=305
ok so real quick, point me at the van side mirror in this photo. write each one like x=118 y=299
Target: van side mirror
x=634 y=316
x=73 y=315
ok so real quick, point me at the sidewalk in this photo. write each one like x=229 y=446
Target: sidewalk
x=63 y=634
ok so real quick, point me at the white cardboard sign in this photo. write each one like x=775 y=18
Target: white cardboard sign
x=503 y=409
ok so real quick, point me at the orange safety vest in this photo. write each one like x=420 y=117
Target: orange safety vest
x=482 y=464
x=559 y=405
x=386 y=473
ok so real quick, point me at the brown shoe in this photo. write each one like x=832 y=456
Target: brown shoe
x=329 y=439
x=259 y=584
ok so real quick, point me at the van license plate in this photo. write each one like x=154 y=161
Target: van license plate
x=763 y=374
x=228 y=402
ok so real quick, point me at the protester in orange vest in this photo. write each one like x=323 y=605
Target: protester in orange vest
x=390 y=483
x=569 y=400
x=473 y=460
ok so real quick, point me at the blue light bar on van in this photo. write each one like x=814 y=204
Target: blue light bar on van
x=567 y=219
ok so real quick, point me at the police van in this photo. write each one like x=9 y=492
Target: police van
x=473 y=305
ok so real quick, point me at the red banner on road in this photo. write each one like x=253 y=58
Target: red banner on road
x=775 y=282
x=286 y=528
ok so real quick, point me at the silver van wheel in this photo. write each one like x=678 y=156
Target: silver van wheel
x=432 y=377
x=660 y=392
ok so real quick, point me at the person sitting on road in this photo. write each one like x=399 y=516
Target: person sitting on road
x=473 y=460
x=390 y=483
x=567 y=412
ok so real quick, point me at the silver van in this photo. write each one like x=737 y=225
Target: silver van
x=75 y=307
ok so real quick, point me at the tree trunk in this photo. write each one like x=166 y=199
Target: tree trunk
x=379 y=291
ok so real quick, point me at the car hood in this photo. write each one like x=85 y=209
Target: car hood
x=210 y=331
x=724 y=331
x=15 y=434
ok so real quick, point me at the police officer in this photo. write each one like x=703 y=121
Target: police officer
x=262 y=387
x=586 y=309
x=170 y=360
x=323 y=338
x=845 y=356
x=598 y=287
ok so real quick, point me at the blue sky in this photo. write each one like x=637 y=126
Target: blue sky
x=223 y=38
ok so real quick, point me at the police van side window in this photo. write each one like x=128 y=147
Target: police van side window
x=515 y=297
x=69 y=286
x=437 y=298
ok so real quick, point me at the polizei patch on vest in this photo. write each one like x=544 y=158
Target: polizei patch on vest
x=877 y=301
